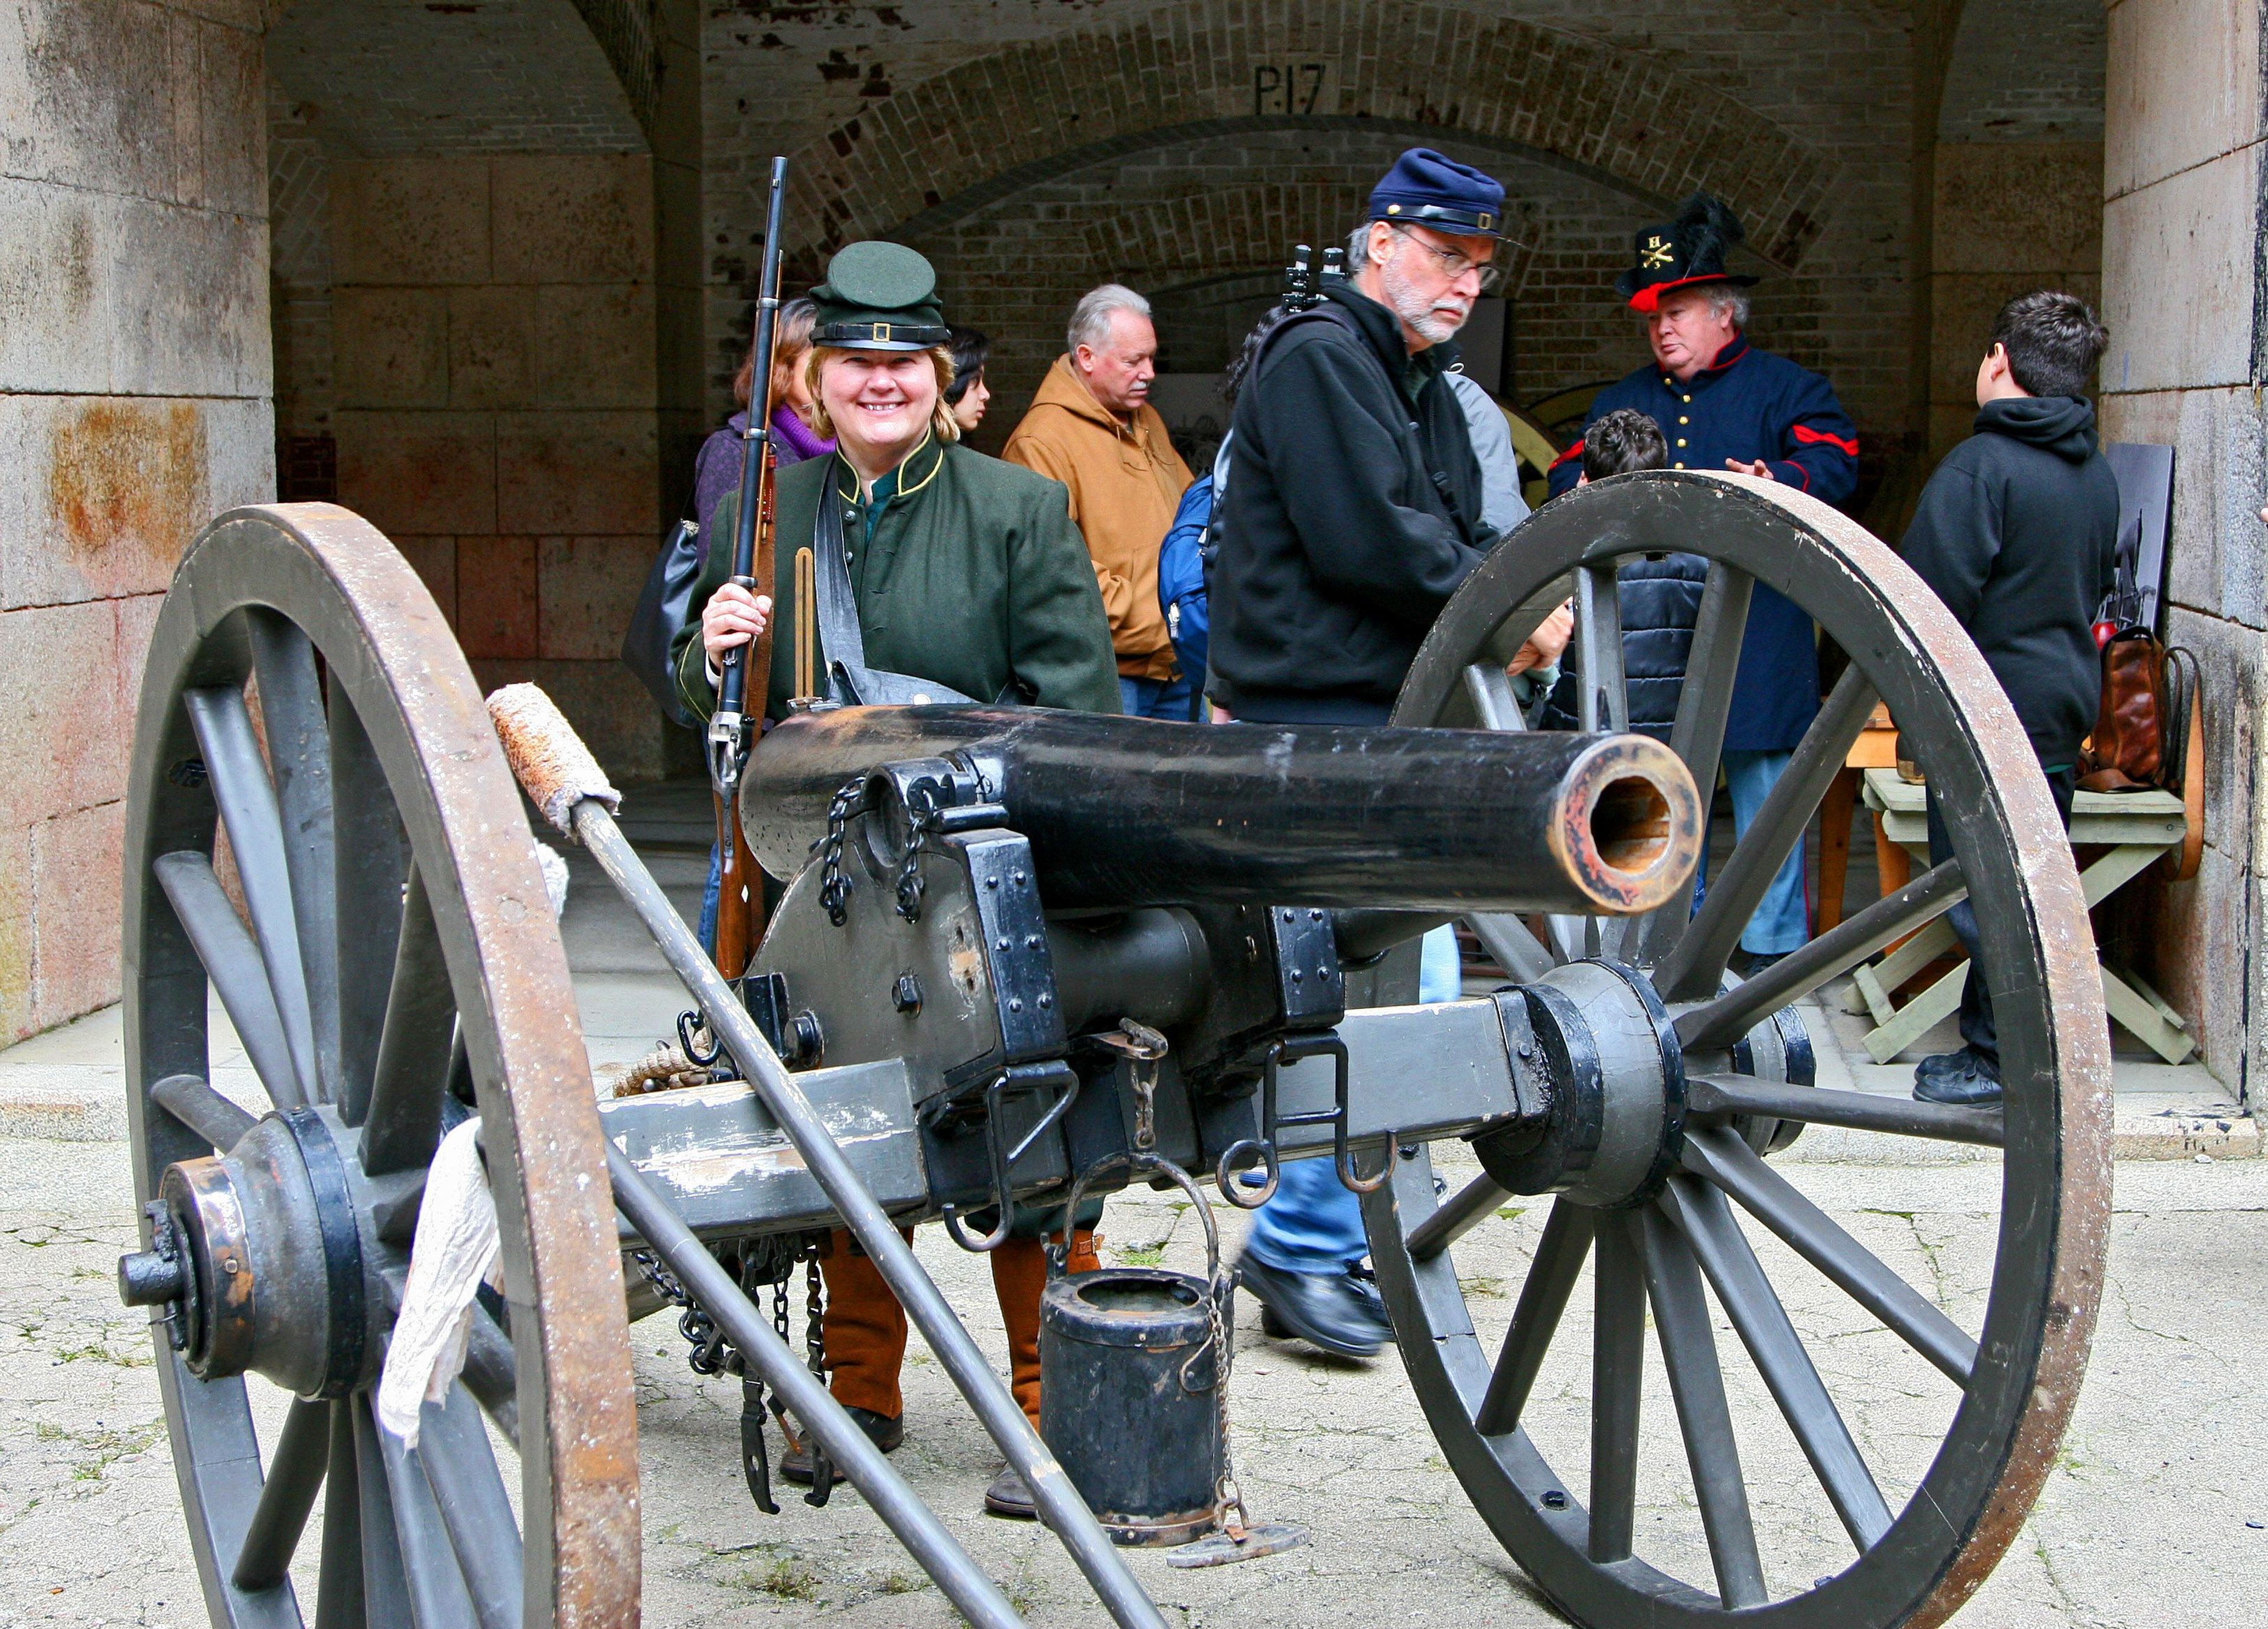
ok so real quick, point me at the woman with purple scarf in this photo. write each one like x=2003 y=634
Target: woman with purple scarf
x=717 y=471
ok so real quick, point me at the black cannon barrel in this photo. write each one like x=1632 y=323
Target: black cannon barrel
x=1132 y=812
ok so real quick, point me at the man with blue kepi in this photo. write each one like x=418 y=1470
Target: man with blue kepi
x=1723 y=404
x=1352 y=510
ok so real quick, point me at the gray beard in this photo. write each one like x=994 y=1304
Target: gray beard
x=1415 y=309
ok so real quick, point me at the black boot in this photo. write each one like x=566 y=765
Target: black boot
x=1966 y=1078
x=1330 y=1310
x=882 y=1431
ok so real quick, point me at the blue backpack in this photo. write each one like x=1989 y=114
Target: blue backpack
x=1182 y=560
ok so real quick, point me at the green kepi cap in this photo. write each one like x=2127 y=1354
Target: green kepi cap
x=879 y=297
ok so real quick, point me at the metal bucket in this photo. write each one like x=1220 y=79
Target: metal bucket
x=1131 y=1389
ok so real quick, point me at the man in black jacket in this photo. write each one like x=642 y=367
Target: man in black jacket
x=2017 y=533
x=1351 y=514
x=1353 y=502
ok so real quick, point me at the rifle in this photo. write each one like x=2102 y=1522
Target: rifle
x=729 y=726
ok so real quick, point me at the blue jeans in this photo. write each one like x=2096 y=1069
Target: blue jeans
x=710 y=895
x=1154 y=699
x=1313 y=1224
x=1782 y=921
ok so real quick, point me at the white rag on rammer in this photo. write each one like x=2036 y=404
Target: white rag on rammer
x=455 y=1248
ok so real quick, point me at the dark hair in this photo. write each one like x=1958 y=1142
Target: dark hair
x=2053 y=342
x=1621 y=441
x=971 y=348
x=791 y=338
x=1241 y=368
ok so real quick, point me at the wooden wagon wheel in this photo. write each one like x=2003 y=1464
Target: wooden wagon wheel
x=401 y=965
x=1689 y=1077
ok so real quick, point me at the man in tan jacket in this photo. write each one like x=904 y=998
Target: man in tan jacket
x=1092 y=427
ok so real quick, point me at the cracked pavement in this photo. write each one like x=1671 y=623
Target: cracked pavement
x=2142 y=1523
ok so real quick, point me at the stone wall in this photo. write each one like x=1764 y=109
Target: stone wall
x=494 y=392
x=2185 y=290
x=133 y=406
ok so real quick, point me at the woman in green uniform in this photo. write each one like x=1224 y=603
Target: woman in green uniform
x=968 y=572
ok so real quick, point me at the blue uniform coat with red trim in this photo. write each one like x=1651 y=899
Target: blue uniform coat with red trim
x=1749 y=404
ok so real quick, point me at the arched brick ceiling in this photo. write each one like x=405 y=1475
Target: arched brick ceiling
x=948 y=145
x=387 y=77
x=2026 y=70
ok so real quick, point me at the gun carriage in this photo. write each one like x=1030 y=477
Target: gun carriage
x=982 y=906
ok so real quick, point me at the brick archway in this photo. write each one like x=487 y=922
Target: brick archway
x=940 y=148
x=1221 y=231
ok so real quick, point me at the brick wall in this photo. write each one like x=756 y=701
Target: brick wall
x=2186 y=298
x=2018 y=183
x=493 y=331
x=973 y=136
x=134 y=370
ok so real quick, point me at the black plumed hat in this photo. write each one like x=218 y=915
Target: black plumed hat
x=1689 y=249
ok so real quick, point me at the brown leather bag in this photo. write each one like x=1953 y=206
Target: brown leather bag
x=2128 y=747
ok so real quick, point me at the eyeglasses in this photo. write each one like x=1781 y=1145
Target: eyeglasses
x=1454 y=264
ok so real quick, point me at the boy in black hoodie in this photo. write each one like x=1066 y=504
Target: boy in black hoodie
x=2016 y=532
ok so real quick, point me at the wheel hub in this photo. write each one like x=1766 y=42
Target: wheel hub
x=1613 y=1125
x=257 y=1257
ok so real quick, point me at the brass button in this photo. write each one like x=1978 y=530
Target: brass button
x=1681 y=440
x=1677 y=465
x=1683 y=419
x=1685 y=398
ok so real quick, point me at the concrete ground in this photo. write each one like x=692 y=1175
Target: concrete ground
x=2156 y=1513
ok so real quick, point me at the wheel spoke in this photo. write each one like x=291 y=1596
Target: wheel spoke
x=1689 y=1351
x=1489 y=687
x=1694 y=965
x=1860 y=1111
x=1551 y=1277
x=1517 y=951
x=1464 y=1210
x=1777 y=1350
x=339 y=1587
x=246 y=797
x=1728 y=1163
x=203 y=1110
x=435 y=1583
x=385 y=1578
x=370 y=864
x=1833 y=953
x=300 y=753
x=1603 y=701
x=414 y=1045
x=491 y=1375
x=1704 y=705
x=468 y=1491
x=295 y=1475
x=232 y=962
x=1617 y=1372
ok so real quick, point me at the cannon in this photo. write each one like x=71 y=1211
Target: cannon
x=976 y=901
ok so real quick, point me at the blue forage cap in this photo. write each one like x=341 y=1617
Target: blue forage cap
x=1428 y=188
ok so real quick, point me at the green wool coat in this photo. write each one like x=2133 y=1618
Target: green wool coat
x=975 y=576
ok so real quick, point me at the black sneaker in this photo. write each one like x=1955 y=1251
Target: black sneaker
x=1328 y=1310
x=881 y=1430
x=1007 y=1496
x=1966 y=1079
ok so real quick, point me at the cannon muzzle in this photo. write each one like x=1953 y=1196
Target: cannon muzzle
x=1123 y=813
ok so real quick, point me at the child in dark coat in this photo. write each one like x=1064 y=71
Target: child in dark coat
x=2017 y=533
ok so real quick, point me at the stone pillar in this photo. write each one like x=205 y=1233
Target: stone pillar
x=133 y=406
x=2187 y=306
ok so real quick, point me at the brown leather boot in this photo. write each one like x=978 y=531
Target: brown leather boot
x=1020 y=1272
x=866 y=1328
